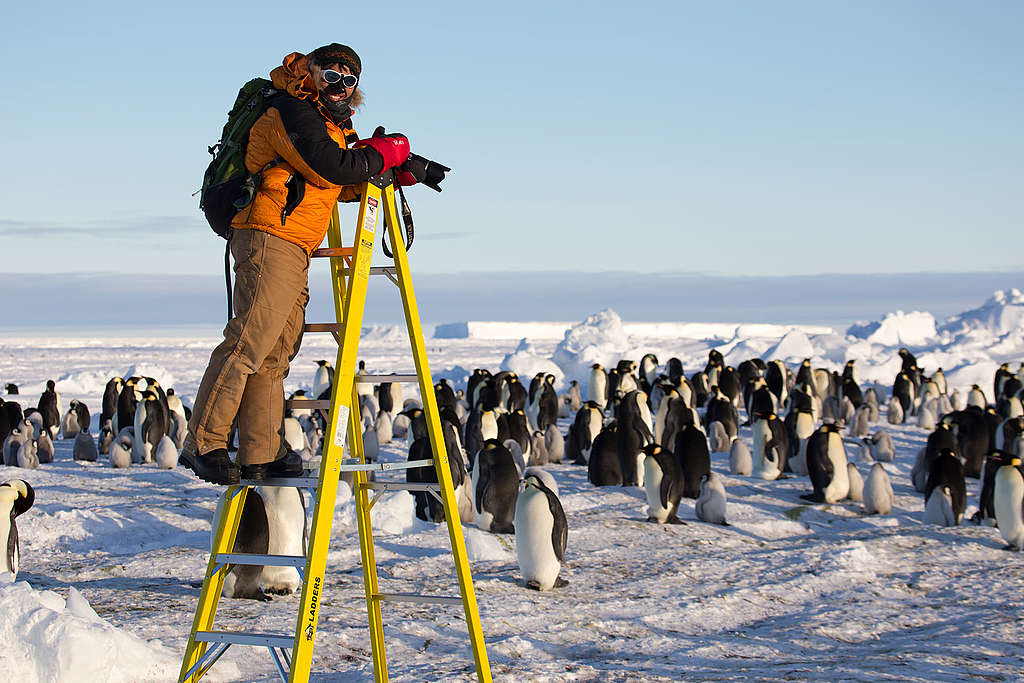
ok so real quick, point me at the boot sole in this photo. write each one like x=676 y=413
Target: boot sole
x=223 y=478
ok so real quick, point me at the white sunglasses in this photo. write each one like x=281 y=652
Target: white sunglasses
x=331 y=77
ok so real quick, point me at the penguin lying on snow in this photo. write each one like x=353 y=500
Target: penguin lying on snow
x=541 y=535
x=16 y=497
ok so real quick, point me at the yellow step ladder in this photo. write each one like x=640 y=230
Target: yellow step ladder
x=293 y=653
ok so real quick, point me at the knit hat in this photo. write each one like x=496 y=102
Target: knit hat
x=336 y=53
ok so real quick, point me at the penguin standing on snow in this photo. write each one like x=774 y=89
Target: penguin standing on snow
x=1008 y=501
x=49 y=406
x=323 y=379
x=597 y=387
x=945 y=491
x=495 y=488
x=16 y=497
x=603 y=466
x=878 y=496
x=632 y=435
x=826 y=466
x=273 y=523
x=710 y=505
x=111 y=392
x=585 y=427
x=691 y=452
x=663 y=483
x=541 y=535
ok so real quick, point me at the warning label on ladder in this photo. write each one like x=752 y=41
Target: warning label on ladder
x=370 y=219
x=341 y=429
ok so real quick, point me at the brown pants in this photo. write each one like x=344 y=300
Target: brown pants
x=247 y=370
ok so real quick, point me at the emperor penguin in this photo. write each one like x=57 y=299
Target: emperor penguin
x=538 y=449
x=976 y=397
x=323 y=379
x=27 y=456
x=710 y=505
x=632 y=435
x=648 y=371
x=691 y=452
x=826 y=466
x=111 y=392
x=362 y=388
x=860 y=425
x=986 y=514
x=166 y=453
x=663 y=484
x=44 y=447
x=895 y=414
x=856 y=493
x=541 y=535
x=69 y=427
x=740 y=461
x=1008 y=501
x=554 y=444
x=597 y=386
x=586 y=426
x=871 y=400
x=85 y=447
x=273 y=522
x=945 y=491
x=603 y=465
x=49 y=406
x=16 y=497
x=956 y=399
x=882 y=448
x=105 y=437
x=903 y=391
x=771 y=448
x=877 y=495
x=121 y=449
x=544 y=475
x=495 y=488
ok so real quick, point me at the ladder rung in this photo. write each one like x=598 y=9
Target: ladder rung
x=324 y=327
x=412 y=597
x=331 y=251
x=372 y=379
x=264 y=560
x=353 y=465
x=241 y=638
x=400 y=486
x=309 y=403
x=376 y=270
x=299 y=482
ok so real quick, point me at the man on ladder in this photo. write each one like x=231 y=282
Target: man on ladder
x=304 y=156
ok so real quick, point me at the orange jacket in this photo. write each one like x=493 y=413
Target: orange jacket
x=307 y=164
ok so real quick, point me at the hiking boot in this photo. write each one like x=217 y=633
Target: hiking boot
x=290 y=465
x=215 y=467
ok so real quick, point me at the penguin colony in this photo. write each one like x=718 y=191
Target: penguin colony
x=636 y=427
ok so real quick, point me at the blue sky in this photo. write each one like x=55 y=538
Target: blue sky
x=734 y=138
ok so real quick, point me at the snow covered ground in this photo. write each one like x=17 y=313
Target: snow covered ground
x=112 y=559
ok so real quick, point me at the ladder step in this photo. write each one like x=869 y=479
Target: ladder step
x=400 y=486
x=299 y=482
x=243 y=638
x=374 y=379
x=324 y=327
x=332 y=251
x=253 y=559
x=412 y=597
x=376 y=270
x=353 y=465
x=309 y=403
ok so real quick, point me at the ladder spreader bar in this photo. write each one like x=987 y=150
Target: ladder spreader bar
x=325 y=404
x=373 y=379
x=353 y=465
x=412 y=597
x=332 y=251
x=324 y=327
x=242 y=638
x=299 y=482
x=399 y=486
x=253 y=559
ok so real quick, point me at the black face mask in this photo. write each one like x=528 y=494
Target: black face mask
x=338 y=109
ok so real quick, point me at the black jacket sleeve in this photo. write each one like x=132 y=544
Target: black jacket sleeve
x=307 y=131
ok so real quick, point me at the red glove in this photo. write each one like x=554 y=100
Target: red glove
x=392 y=147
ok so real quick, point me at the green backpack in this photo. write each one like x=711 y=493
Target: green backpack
x=228 y=187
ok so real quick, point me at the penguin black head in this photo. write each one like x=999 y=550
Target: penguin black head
x=26 y=496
